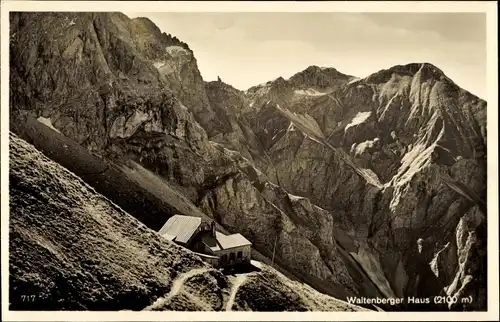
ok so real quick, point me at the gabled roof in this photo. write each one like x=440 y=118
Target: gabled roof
x=221 y=241
x=180 y=228
x=231 y=241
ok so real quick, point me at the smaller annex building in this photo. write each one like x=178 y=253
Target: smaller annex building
x=201 y=237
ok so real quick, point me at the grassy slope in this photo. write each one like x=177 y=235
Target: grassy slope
x=258 y=291
x=72 y=249
x=106 y=178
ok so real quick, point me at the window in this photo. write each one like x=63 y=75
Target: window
x=224 y=258
x=240 y=254
x=231 y=257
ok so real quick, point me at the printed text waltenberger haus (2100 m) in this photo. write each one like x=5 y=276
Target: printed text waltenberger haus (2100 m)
x=449 y=300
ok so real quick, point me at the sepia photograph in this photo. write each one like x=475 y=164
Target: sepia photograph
x=247 y=161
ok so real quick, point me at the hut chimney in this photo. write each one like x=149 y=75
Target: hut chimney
x=212 y=226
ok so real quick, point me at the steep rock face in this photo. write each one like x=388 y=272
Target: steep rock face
x=95 y=83
x=277 y=90
x=176 y=63
x=363 y=187
x=393 y=148
x=386 y=157
x=409 y=109
x=418 y=134
x=232 y=130
x=256 y=210
x=313 y=91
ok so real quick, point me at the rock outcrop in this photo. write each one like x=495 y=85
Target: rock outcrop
x=372 y=187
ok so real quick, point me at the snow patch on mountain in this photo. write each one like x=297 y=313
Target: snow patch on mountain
x=371 y=263
x=47 y=122
x=361 y=117
x=363 y=146
x=159 y=64
x=309 y=92
x=294 y=197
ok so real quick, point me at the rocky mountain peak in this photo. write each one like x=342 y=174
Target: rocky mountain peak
x=318 y=77
x=280 y=84
x=275 y=83
x=147 y=28
x=279 y=80
x=320 y=69
x=425 y=70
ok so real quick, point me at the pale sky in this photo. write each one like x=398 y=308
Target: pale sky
x=246 y=49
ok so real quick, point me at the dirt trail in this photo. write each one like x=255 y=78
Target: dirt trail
x=176 y=287
x=238 y=281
